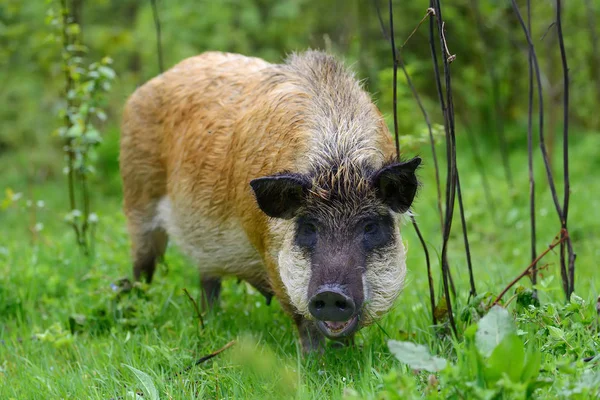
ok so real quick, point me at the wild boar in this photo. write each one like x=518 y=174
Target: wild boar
x=283 y=175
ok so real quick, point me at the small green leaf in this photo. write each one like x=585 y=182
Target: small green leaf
x=146 y=381
x=556 y=333
x=107 y=72
x=416 y=356
x=492 y=328
x=74 y=131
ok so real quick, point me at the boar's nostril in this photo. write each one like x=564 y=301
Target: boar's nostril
x=331 y=304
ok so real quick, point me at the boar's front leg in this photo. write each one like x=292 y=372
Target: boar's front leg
x=263 y=287
x=211 y=290
x=311 y=338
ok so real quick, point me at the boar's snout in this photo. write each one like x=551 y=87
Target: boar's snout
x=330 y=303
x=334 y=311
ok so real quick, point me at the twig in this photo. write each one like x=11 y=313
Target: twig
x=530 y=162
x=449 y=57
x=161 y=65
x=563 y=271
x=429 y=276
x=394 y=81
x=567 y=183
x=563 y=236
x=451 y=173
x=421 y=107
x=400 y=62
x=198 y=314
x=547 y=30
x=206 y=358
x=429 y=12
x=463 y=222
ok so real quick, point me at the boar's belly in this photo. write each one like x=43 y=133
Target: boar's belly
x=218 y=248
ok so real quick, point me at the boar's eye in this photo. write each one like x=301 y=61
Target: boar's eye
x=371 y=228
x=306 y=233
x=376 y=233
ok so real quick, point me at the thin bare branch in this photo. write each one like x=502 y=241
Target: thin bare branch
x=530 y=162
x=429 y=12
x=434 y=155
x=159 y=52
x=551 y=184
x=198 y=314
x=206 y=358
x=561 y=237
x=429 y=276
x=447 y=106
x=567 y=181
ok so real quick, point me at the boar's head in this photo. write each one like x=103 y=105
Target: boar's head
x=342 y=260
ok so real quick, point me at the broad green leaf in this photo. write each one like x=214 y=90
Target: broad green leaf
x=416 y=356
x=507 y=358
x=492 y=328
x=531 y=369
x=146 y=381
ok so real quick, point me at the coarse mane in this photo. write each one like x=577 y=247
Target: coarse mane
x=339 y=113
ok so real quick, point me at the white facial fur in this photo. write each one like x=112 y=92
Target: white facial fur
x=384 y=280
x=295 y=272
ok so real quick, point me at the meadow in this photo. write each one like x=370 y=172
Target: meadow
x=72 y=326
x=76 y=326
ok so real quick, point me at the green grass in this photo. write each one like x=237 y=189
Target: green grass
x=66 y=332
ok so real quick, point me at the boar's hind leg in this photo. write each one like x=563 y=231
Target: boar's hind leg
x=148 y=248
x=211 y=289
x=311 y=338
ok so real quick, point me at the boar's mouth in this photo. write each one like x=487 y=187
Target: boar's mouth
x=338 y=329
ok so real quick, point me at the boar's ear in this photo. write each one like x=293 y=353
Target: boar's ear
x=279 y=196
x=396 y=184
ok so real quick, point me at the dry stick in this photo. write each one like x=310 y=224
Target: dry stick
x=195 y=307
x=161 y=65
x=530 y=162
x=435 y=162
x=206 y=358
x=463 y=222
x=563 y=271
x=493 y=76
x=448 y=146
x=567 y=183
x=449 y=57
x=427 y=14
x=448 y=111
x=562 y=236
x=429 y=276
x=394 y=81
x=421 y=106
